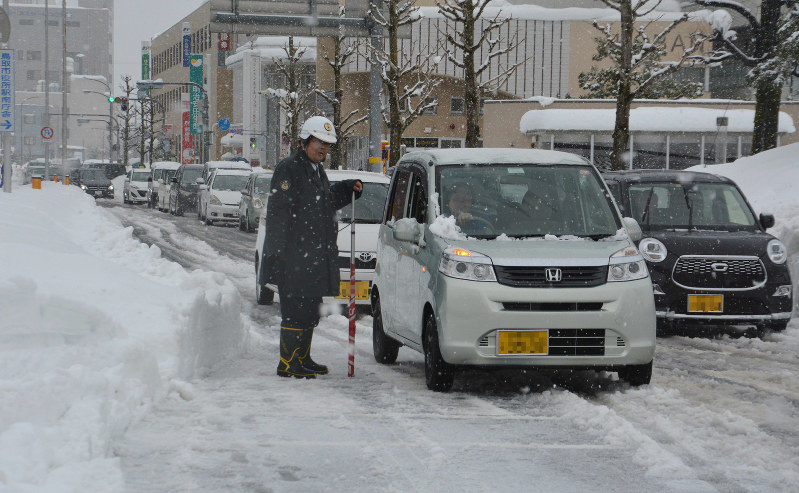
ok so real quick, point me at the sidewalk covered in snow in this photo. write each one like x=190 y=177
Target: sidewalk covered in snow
x=664 y=134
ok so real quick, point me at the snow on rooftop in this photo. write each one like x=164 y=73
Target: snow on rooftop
x=270 y=47
x=668 y=10
x=649 y=119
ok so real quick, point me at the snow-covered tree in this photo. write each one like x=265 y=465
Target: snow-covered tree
x=295 y=98
x=627 y=61
x=342 y=52
x=408 y=79
x=763 y=55
x=468 y=33
x=603 y=82
x=127 y=88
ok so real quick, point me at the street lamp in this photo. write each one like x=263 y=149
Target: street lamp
x=110 y=116
x=147 y=85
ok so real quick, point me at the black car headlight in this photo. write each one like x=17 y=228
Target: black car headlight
x=776 y=251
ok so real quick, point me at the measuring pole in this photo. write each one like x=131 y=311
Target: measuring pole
x=351 y=357
x=64 y=108
x=7 y=171
x=46 y=90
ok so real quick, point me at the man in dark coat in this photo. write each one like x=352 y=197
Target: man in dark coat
x=300 y=246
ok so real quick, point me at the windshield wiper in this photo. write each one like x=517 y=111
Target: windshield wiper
x=690 y=209
x=647 y=215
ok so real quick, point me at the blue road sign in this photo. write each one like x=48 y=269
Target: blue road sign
x=7 y=90
x=224 y=124
x=186 y=44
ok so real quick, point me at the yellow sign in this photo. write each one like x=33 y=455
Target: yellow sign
x=361 y=290
x=522 y=342
x=706 y=303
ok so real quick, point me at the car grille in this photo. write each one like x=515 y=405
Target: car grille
x=699 y=273
x=576 y=342
x=95 y=188
x=535 y=277
x=344 y=263
x=551 y=307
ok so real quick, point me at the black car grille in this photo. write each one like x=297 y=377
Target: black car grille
x=699 y=272
x=535 y=277
x=551 y=307
x=576 y=342
x=344 y=263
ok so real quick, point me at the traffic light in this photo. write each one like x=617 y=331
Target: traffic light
x=252 y=143
x=121 y=100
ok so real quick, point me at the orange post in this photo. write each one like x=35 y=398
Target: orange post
x=66 y=180
x=36 y=182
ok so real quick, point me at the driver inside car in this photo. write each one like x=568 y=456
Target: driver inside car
x=460 y=205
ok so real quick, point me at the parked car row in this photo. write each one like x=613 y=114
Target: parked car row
x=529 y=258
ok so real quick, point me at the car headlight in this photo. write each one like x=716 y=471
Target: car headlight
x=777 y=252
x=464 y=264
x=259 y=204
x=110 y=187
x=627 y=265
x=652 y=250
x=214 y=200
x=83 y=187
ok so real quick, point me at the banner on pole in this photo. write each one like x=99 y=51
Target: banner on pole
x=7 y=91
x=187 y=144
x=186 y=44
x=196 y=94
x=145 y=63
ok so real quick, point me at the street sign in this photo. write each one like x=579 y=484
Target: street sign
x=47 y=133
x=145 y=60
x=196 y=94
x=224 y=124
x=186 y=144
x=186 y=44
x=6 y=90
x=224 y=42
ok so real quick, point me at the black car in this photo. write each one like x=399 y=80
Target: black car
x=184 y=188
x=96 y=183
x=711 y=260
x=111 y=170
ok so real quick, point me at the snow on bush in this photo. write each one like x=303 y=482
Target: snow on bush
x=95 y=326
x=769 y=180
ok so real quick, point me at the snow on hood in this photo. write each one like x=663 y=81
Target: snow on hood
x=646 y=119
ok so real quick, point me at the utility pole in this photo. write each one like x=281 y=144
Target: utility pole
x=46 y=88
x=6 y=141
x=64 y=109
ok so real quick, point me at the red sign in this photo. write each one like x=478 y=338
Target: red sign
x=224 y=42
x=186 y=147
x=47 y=133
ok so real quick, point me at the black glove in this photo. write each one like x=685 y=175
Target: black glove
x=351 y=183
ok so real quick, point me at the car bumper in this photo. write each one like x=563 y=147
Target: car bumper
x=136 y=196
x=228 y=213
x=617 y=328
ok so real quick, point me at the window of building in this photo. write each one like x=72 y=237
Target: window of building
x=451 y=143
x=52 y=23
x=426 y=141
x=26 y=22
x=456 y=106
x=34 y=55
x=431 y=110
x=73 y=23
x=408 y=142
x=29 y=118
x=53 y=75
x=482 y=103
x=28 y=141
x=34 y=74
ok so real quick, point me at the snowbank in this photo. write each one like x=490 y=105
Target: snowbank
x=769 y=180
x=94 y=327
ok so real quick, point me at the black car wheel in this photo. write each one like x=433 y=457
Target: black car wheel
x=263 y=295
x=778 y=326
x=384 y=347
x=438 y=374
x=636 y=375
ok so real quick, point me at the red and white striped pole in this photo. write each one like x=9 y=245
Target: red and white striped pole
x=351 y=357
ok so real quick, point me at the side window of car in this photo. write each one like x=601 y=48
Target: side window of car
x=417 y=199
x=399 y=194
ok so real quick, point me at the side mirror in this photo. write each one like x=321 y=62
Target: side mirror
x=244 y=191
x=633 y=229
x=199 y=181
x=149 y=179
x=767 y=220
x=406 y=229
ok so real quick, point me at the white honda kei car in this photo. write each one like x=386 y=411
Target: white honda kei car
x=368 y=215
x=219 y=199
x=510 y=258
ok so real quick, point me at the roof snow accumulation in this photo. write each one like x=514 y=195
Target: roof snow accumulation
x=649 y=119
x=668 y=10
x=500 y=156
x=273 y=47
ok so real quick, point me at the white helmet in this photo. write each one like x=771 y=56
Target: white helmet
x=319 y=127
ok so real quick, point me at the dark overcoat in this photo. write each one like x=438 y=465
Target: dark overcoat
x=300 y=250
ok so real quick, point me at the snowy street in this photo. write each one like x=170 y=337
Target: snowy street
x=720 y=414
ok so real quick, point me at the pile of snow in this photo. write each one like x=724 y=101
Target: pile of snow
x=447 y=227
x=769 y=180
x=94 y=328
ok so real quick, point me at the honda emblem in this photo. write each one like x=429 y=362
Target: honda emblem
x=554 y=275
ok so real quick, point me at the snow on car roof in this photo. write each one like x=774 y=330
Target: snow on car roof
x=261 y=171
x=228 y=165
x=221 y=171
x=165 y=165
x=495 y=156
x=348 y=174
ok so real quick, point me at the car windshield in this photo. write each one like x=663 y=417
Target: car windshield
x=229 y=182
x=717 y=206
x=190 y=175
x=526 y=200
x=262 y=183
x=140 y=176
x=92 y=174
x=369 y=207
x=170 y=173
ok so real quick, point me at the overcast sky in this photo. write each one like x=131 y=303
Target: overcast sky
x=139 y=20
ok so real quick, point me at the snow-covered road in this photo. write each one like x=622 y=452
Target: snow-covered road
x=720 y=414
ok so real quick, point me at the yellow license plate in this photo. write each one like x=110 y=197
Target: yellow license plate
x=361 y=290
x=522 y=342
x=706 y=303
